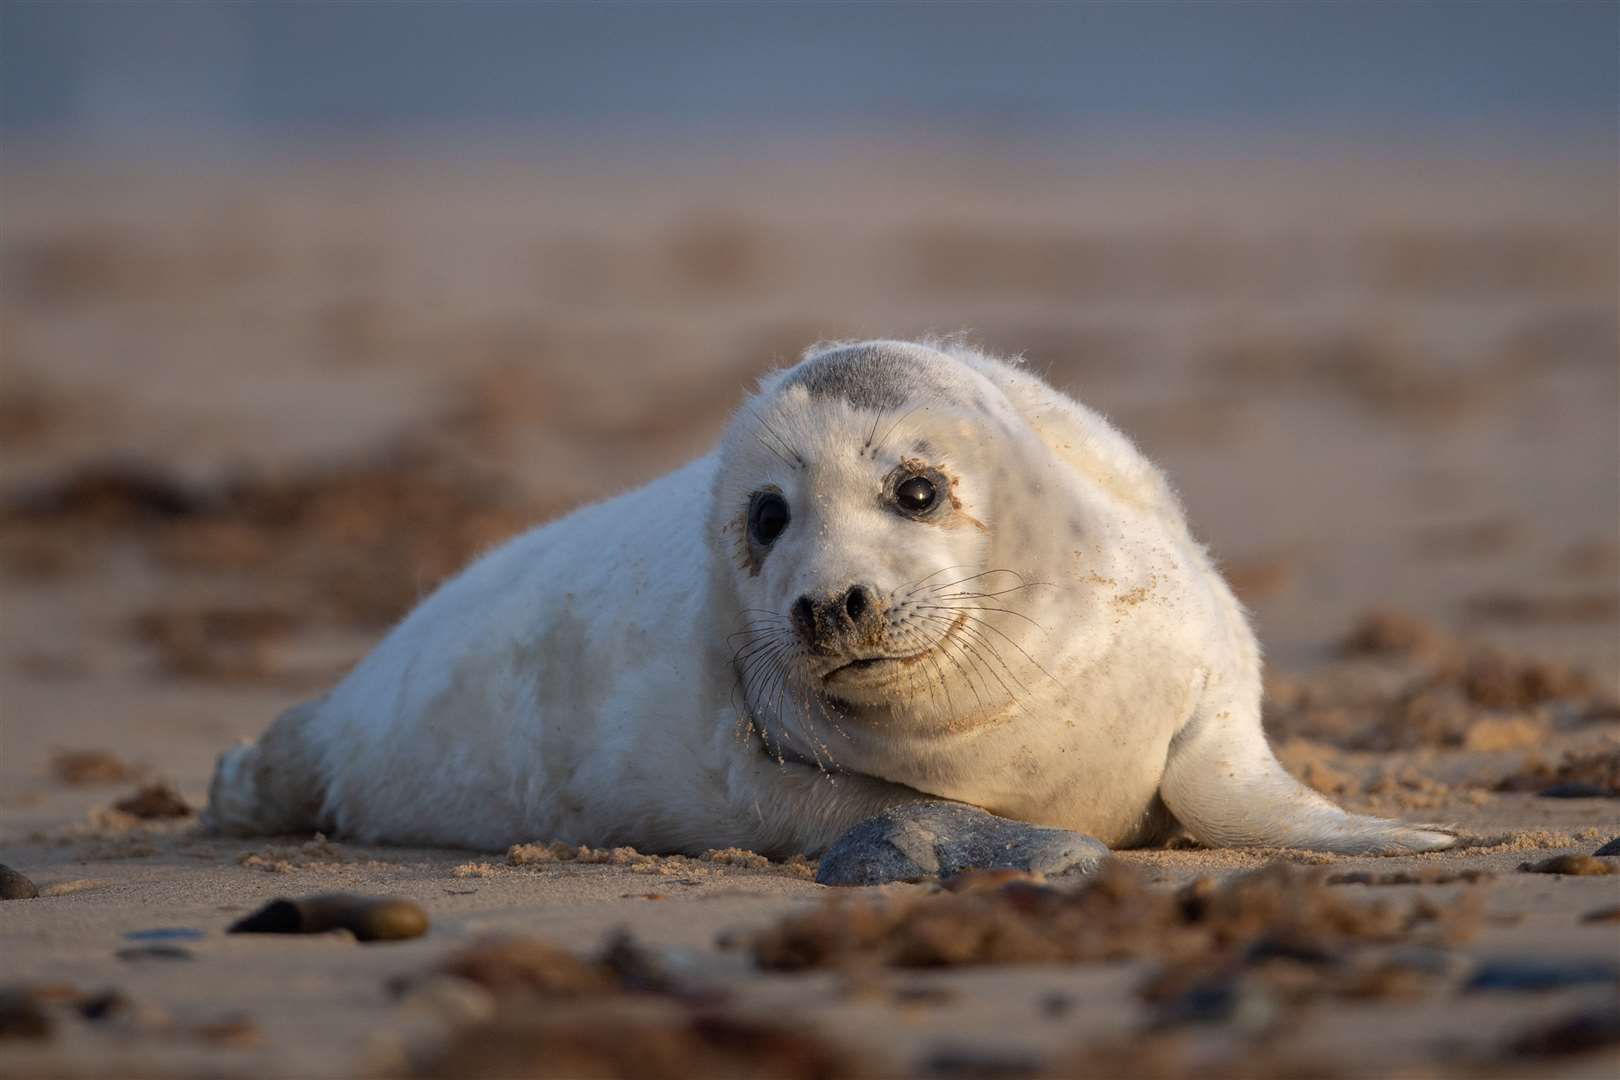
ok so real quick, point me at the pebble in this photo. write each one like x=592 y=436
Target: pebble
x=1576 y=865
x=1535 y=974
x=1611 y=848
x=368 y=918
x=14 y=886
x=166 y=933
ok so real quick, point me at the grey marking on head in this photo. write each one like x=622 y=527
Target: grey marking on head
x=872 y=377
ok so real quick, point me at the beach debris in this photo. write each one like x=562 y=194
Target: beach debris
x=1611 y=848
x=226 y=643
x=159 y=800
x=1114 y=916
x=1402 y=682
x=82 y=767
x=1537 y=974
x=1426 y=875
x=1573 y=865
x=23 y=1014
x=1590 y=774
x=530 y=967
x=15 y=886
x=108 y=493
x=368 y=918
x=523 y=1044
x=524 y=965
x=1602 y=915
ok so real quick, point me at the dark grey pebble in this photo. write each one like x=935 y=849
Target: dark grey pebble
x=1576 y=791
x=1526 y=975
x=166 y=933
x=368 y=918
x=23 y=1015
x=1611 y=848
x=14 y=886
x=940 y=839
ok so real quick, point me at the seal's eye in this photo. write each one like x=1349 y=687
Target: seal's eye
x=767 y=517
x=916 y=495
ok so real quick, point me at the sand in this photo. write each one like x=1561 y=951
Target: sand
x=1379 y=384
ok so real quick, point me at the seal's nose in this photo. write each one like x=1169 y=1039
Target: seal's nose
x=821 y=621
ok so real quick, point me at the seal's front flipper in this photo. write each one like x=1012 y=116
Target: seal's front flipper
x=938 y=839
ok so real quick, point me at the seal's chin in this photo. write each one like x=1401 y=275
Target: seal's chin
x=877 y=670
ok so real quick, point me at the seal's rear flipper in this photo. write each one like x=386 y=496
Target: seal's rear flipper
x=271 y=786
x=938 y=839
x=1224 y=784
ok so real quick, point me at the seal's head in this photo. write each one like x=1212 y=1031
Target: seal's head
x=856 y=509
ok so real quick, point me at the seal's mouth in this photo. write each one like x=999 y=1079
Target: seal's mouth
x=854 y=669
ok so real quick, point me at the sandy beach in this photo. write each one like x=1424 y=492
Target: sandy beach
x=249 y=417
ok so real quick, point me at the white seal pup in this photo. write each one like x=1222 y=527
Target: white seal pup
x=918 y=612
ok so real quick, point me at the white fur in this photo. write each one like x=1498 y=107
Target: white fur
x=581 y=682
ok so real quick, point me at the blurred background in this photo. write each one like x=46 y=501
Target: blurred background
x=304 y=304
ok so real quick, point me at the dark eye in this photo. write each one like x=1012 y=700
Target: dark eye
x=767 y=517
x=916 y=495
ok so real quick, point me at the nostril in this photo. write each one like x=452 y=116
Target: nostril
x=804 y=616
x=855 y=602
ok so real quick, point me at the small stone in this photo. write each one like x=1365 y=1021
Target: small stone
x=368 y=918
x=1611 y=848
x=1532 y=975
x=23 y=1015
x=166 y=933
x=14 y=886
x=1574 y=865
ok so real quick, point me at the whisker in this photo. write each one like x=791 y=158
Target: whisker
x=975 y=577
x=988 y=625
x=895 y=426
x=976 y=607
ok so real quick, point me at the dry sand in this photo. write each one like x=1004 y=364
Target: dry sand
x=1378 y=384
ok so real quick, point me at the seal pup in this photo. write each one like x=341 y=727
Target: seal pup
x=917 y=612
